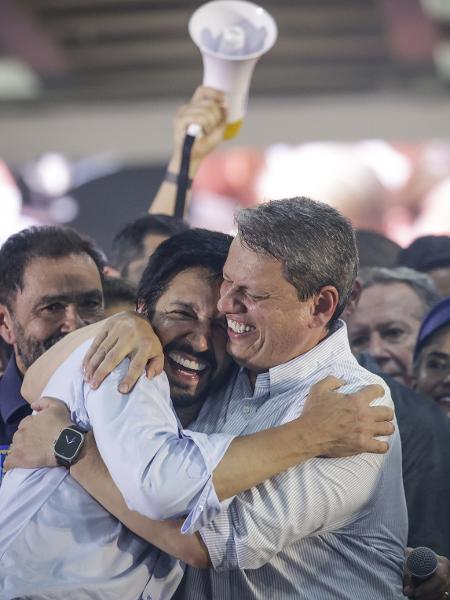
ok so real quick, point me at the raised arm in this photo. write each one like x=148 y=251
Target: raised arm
x=206 y=109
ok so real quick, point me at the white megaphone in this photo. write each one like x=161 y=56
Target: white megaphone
x=232 y=35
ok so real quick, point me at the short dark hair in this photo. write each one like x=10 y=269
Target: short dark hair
x=190 y=249
x=47 y=241
x=116 y=290
x=314 y=242
x=128 y=243
x=426 y=253
x=375 y=249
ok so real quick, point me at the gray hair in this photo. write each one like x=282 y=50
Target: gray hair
x=314 y=242
x=420 y=283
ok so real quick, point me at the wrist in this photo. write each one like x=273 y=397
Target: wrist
x=68 y=445
x=85 y=450
x=306 y=441
x=175 y=163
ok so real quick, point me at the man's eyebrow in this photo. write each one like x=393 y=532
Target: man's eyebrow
x=51 y=298
x=437 y=354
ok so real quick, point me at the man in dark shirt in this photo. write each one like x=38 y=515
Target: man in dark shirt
x=425 y=436
x=50 y=284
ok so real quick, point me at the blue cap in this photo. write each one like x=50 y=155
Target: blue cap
x=438 y=317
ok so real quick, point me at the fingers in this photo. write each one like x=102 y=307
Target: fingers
x=329 y=383
x=206 y=114
x=376 y=447
x=104 y=354
x=384 y=428
x=94 y=347
x=155 y=366
x=408 y=588
x=381 y=413
x=135 y=370
x=370 y=393
x=104 y=362
x=44 y=403
x=204 y=92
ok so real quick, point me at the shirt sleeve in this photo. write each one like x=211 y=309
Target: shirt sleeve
x=161 y=470
x=318 y=496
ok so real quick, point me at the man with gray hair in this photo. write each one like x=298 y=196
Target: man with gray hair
x=387 y=319
x=328 y=529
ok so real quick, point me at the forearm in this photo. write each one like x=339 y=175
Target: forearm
x=91 y=473
x=254 y=458
x=42 y=369
x=164 y=201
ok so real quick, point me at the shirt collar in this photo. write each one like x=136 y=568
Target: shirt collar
x=11 y=400
x=283 y=377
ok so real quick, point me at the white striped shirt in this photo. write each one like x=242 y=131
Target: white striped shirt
x=328 y=529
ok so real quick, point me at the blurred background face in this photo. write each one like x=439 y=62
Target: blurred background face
x=267 y=323
x=385 y=324
x=58 y=296
x=433 y=370
x=194 y=336
x=138 y=264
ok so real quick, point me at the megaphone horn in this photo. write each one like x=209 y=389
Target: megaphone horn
x=232 y=35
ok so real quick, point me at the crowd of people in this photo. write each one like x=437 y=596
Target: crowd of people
x=261 y=416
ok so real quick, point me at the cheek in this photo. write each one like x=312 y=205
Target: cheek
x=42 y=328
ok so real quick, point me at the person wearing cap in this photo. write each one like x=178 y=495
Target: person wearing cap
x=430 y=254
x=432 y=355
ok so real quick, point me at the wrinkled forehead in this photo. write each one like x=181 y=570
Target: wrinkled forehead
x=196 y=287
x=72 y=275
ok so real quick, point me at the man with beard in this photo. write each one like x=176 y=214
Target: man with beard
x=161 y=471
x=50 y=285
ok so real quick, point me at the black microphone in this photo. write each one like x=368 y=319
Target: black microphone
x=421 y=564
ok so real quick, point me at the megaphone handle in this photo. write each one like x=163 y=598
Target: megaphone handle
x=183 y=175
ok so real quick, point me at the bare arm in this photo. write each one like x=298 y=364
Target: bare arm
x=206 y=109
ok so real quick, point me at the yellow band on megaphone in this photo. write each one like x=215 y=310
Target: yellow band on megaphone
x=232 y=129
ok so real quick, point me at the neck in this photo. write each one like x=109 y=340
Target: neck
x=187 y=414
x=19 y=362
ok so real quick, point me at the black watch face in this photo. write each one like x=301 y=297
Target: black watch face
x=68 y=443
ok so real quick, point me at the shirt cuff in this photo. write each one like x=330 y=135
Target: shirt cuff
x=206 y=506
x=219 y=540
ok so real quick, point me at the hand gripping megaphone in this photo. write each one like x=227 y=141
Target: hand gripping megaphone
x=231 y=36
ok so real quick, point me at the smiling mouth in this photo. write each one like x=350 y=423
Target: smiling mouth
x=239 y=328
x=190 y=365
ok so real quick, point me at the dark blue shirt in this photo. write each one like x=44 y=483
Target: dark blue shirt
x=13 y=407
x=425 y=433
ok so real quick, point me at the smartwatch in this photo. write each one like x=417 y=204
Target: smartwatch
x=68 y=445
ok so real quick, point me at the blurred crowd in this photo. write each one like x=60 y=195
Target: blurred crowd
x=397 y=315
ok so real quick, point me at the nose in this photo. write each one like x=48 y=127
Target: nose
x=72 y=319
x=200 y=337
x=229 y=300
x=377 y=348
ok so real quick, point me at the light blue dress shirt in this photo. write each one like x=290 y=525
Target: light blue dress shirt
x=329 y=529
x=57 y=542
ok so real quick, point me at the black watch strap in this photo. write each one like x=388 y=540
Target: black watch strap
x=68 y=445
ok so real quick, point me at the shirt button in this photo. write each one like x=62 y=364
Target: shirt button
x=200 y=507
x=246 y=410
